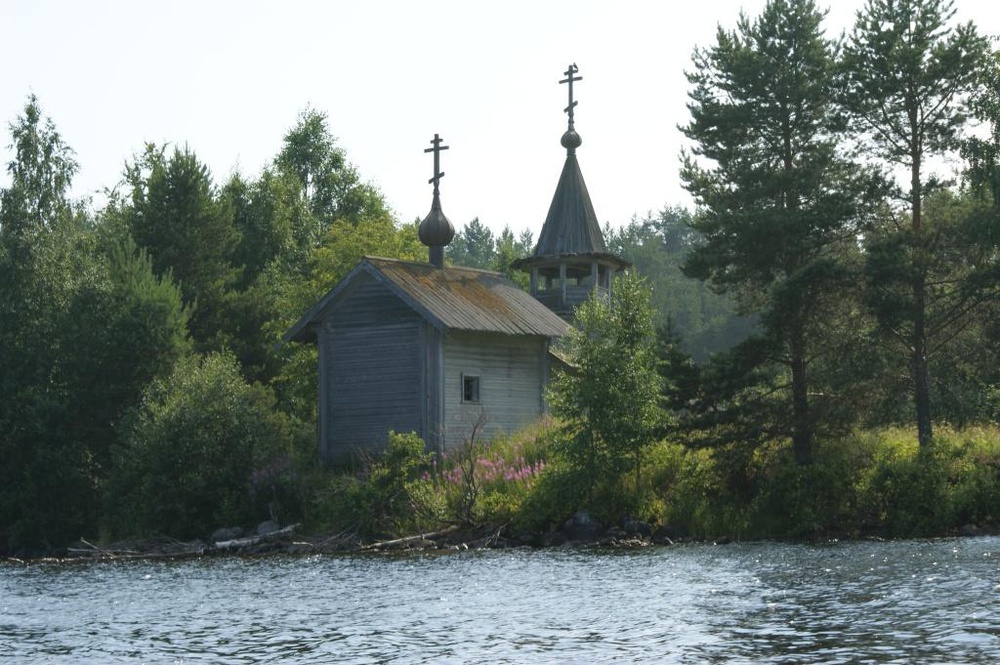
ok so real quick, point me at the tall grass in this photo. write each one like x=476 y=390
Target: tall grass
x=869 y=483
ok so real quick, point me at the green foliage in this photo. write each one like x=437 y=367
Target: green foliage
x=698 y=500
x=189 y=451
x=41 y=174
x=330 y=187
x=874 y=482
x=909 y=496
x=766 y=167
x=792 y=501
x=475 y=246
x=275 y=225
x=703 y=321
x=488 y=482
x=975 y=477
x=908 y=77
x=966 y=386
x=86 y=325
x=559 y=491
x=907 y=491
x=907 y=73
x=870 y=483
x=173 y=212
x=406 y=490
x=386 y=496
x=346 y=243
x=956 y=264
x=879 y=482
x=609 y=398
x=982 y=154
x=510 y=249
x=131 y=327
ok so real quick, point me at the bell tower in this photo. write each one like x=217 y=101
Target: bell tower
x=570 y=260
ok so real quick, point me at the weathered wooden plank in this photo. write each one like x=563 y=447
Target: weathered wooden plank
x=383 y=394
x=511 y=382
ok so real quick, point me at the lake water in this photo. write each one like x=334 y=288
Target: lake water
x=865 y=602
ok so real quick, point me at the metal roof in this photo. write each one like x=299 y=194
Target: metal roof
x=450 y=298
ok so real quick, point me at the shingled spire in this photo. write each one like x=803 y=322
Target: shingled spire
x=570 y=260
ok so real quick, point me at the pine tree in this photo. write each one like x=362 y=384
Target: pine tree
x=779 y=203
x=907 y=80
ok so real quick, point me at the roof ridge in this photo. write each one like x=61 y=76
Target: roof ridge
x=421 y=264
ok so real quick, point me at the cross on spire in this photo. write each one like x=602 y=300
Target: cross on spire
x=569 y=73
x=436 y=148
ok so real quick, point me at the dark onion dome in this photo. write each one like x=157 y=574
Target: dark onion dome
x=571 y=140
x=436 y=230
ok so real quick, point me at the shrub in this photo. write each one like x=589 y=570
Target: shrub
x=906 y=491
x=976 y=493
x=799 y=501
x=189 y=452
x=385 y=496
x=487 y=483
x=873 y=481
x=911 y=493
x=698 y=500
x=554 y=498
x=610 y=402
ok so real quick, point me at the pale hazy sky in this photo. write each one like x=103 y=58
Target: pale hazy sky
x=229 y=78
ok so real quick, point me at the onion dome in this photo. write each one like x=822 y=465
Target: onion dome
x=571 y=140
x=436 y=230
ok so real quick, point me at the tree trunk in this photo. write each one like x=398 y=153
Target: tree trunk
x=801 y=420
x=921 y=375
x=918 y=361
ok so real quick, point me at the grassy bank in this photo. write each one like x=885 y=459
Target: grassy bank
x=870 y=483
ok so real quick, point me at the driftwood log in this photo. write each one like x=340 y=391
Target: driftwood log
x=346 y=541
x=173 y=549
x=397 y=542
x=237 y=543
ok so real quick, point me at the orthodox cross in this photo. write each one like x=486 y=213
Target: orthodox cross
x=436 y=149
x=573 y=69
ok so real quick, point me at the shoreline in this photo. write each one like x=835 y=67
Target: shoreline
x=286 y=541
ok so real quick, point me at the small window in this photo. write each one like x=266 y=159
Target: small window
x=470 y=389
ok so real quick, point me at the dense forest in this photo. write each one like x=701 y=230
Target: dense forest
x=830 y=300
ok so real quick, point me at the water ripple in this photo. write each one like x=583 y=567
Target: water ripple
x=935 y=601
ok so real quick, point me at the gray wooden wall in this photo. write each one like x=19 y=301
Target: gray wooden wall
x=512 y=373
x=371 y=369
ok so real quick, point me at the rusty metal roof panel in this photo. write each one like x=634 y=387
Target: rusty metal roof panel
x=469 y=299
x=450 y=298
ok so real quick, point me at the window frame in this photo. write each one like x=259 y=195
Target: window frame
x=475 y=381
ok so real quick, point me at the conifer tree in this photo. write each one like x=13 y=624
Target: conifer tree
x=176 y=216
x=779 y=202
x=907 y=79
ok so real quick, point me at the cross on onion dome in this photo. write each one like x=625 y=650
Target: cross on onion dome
x=436 y=148
x=569 y=73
